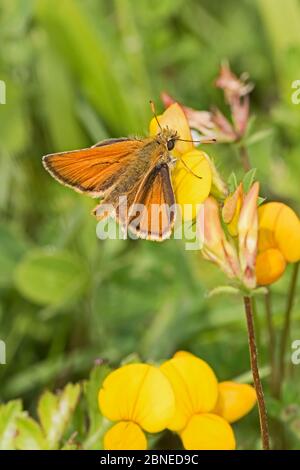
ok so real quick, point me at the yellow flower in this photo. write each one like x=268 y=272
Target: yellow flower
x=204 y=409
x=195 y=386
x=188 y=188
x=139 y=397
x=278 y=241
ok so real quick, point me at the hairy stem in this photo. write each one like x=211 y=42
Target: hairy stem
x=256 y=378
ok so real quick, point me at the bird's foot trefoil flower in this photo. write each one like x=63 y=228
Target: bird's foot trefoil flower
x=278 y=241
x=138 y=397
x=183 y=395
x=192 y=174
x=204 y=408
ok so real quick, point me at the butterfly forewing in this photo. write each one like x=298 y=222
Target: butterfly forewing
x=93 y=170
x=126 y=173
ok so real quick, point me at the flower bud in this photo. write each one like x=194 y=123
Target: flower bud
x=231 y=210
x=247 y=236
x=216 y=247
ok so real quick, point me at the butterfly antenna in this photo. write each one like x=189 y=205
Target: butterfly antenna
x=189 y=169
x=154 y=113
x=208 y=140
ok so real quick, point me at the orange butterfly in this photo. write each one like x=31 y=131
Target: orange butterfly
x=126 y=173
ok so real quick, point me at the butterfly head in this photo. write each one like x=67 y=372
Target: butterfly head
x=168 y=137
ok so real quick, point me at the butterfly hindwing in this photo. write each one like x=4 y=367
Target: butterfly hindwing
x=156 y=199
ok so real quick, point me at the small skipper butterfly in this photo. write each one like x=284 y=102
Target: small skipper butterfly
x=125 y=172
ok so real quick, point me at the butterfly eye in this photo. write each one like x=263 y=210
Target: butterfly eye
x=170 y=144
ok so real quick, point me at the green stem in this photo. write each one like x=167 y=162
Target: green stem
x=272 y=338
x=256 y=377
x=263 y=419
x=286 y=331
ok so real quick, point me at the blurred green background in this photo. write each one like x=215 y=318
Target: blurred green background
x=75 y=73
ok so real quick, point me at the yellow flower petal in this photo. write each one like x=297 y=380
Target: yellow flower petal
x=208 y=432
x=287 y=234
x=175 y=119
x=235 y=400
x=269 y=267
x=279 y=227
x=139 y=393
x=125 y=436
x=190 y=190
x=195 y=387
x=267 y=217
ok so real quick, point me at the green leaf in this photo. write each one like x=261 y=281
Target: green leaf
x=97 y=424
x=58 y=94
x=40 y=374
x=51 y=277
x=132 y=358
x=247 y=377
x=250 y=125
x=248 y=179
x=223 y=290
x=8 y=423
x=259 y=291
x=14 y=129
x=55 y=413
x=30 y=435
x=260 y=200
x=258 y=137
x=274 y=407
x=232 y=182
x=105 y=91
